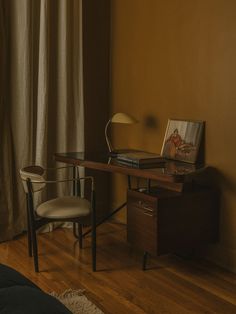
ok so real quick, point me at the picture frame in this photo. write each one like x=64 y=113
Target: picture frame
x=182 y=140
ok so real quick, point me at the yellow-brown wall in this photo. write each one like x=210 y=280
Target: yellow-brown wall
x=177 y=59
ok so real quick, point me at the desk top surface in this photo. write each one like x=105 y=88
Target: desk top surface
x=170 y=171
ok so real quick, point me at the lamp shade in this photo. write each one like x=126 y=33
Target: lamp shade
x=118 y=117
x=121 y=117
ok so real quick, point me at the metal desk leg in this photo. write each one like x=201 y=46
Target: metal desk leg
x=145 y=256
x=129 y=182
x=77 y=227
x=112 y=213
x=148 y=185
x=74 y=182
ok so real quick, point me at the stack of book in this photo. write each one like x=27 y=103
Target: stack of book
x=140 y=159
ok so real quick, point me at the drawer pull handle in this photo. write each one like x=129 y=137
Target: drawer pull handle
x=149 y=209
x=148 y=214
x=144 y=205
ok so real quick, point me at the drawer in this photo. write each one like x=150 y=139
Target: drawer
x=142 y=228
x=142 y=201
x=163 y=221
x=146 y=206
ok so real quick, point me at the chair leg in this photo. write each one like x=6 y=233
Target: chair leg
x=30 y=211
x=78 y=233
x=29 y=243
x=80 y=229
x=94 y=235
x=35 y=249
x=94 y=248
x=75 y=225
x=29 y=236
x=74 y=230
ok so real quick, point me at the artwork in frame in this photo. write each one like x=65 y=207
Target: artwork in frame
x=182 y=140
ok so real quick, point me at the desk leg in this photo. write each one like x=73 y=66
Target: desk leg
x=78 y=186
x=145 y=256
x=148 y=185
x=112 y=213
x=77 y=227
x=129 y=182
x=74 y=182
x=105 y=218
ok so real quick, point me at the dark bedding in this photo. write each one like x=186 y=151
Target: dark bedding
x=18 y=295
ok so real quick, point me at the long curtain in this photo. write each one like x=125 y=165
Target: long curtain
x=41 y=99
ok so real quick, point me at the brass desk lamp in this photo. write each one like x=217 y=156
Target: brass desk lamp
x=118 y=117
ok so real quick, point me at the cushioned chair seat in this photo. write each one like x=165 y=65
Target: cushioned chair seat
x=64 y=207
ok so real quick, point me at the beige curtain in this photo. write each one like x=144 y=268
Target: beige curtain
x=41 y=107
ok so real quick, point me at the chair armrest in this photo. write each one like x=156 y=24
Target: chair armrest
x=58 y=168
x=65 y=180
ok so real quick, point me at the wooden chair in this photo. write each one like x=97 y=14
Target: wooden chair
x=73 y=209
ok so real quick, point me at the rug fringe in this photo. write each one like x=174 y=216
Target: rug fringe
x=69 y=293
x=77 y=302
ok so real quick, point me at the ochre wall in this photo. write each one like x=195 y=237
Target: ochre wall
x=177 y=59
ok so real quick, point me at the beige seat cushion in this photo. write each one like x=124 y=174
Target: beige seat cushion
x=64 y=207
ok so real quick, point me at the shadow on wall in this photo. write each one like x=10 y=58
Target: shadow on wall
x=151 y=122
x=216 y=179
x=213 y=177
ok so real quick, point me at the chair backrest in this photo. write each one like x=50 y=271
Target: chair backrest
x=34 y=173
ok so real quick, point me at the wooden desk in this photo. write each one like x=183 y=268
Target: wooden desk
x=172 y=175
x=179 y=215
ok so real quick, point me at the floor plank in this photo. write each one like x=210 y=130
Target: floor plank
x=170 y=285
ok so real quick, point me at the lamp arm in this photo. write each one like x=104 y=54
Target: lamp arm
x=106 y=136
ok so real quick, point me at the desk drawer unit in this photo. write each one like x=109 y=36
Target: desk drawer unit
x=142 y=223
x=165 y=221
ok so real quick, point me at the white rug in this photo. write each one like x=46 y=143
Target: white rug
x=77 y=302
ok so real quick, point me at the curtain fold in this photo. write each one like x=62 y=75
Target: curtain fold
x=41 y=98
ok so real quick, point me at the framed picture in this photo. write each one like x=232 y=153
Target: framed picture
x=182 y=140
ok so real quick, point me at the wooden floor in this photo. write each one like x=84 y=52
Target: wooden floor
x=171 y=285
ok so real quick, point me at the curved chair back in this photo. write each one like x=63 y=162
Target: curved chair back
x=34 y=173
